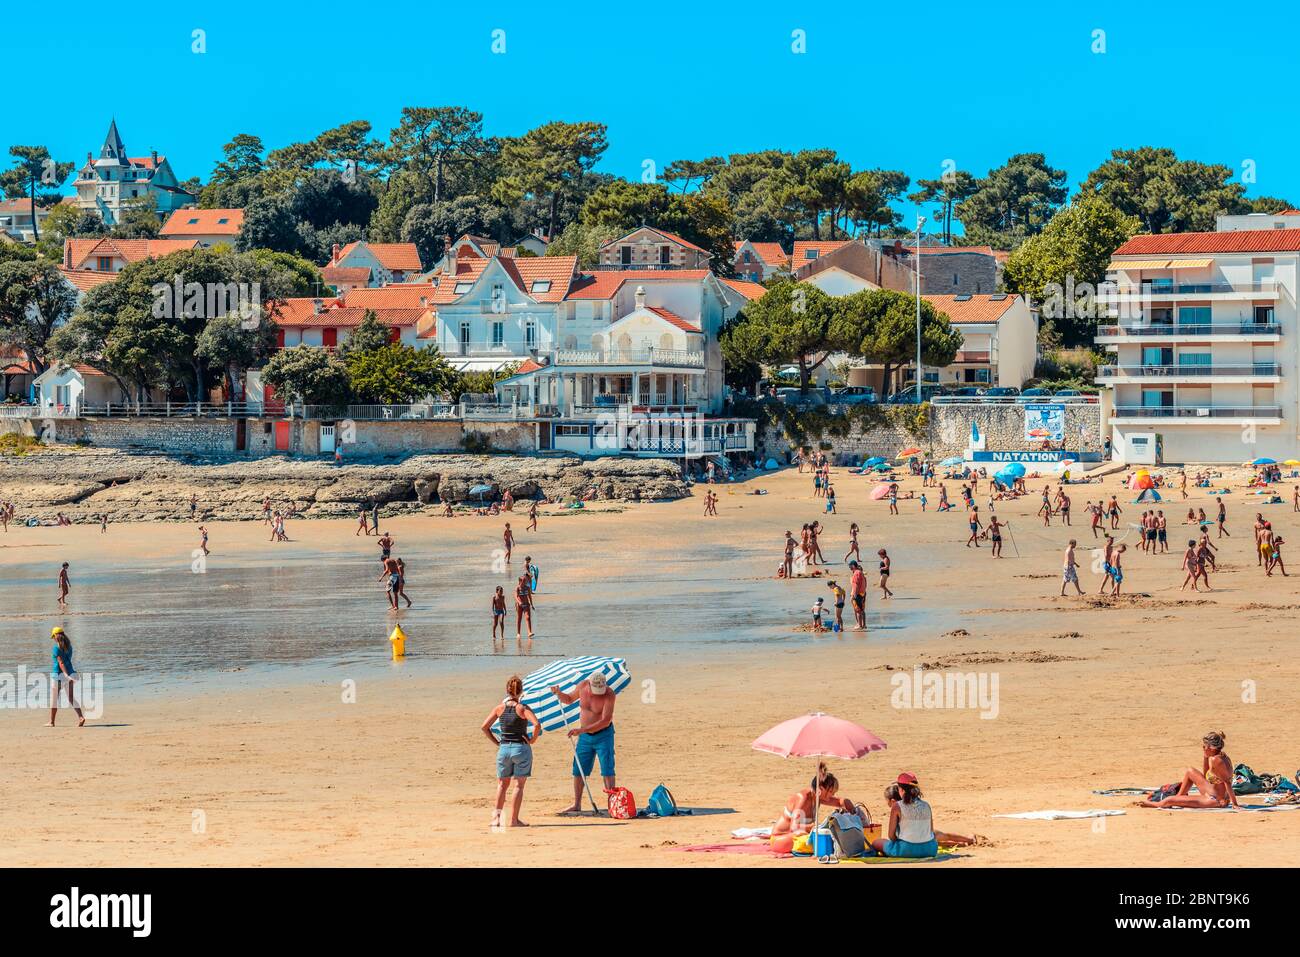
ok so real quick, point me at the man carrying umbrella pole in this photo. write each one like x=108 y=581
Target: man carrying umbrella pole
x=594 y=735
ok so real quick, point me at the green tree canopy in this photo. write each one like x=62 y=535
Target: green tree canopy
x=312 y=375
x=398 y=373
x=879 y=326
x=35 y=300
x=1166 y=194
x=791 y=323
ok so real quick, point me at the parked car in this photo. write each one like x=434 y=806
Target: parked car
x=813 y=396
x=1036 y=394
x=967 y=390
x=1068 y=394
x=1002 y=393
x=854 y=395
x=908 y=395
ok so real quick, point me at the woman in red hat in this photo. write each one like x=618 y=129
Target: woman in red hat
x=910 y=830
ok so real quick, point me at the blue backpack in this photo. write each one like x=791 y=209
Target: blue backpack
x=661 y=803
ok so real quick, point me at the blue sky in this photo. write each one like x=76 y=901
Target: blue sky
x=902 y=86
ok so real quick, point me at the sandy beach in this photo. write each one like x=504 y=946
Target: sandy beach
x=274 y=767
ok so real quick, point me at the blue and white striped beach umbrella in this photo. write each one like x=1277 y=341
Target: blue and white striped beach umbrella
x=568 y=673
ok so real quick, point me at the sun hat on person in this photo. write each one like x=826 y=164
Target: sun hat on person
x=56 y=630
x=598 y=683
x=907 y=777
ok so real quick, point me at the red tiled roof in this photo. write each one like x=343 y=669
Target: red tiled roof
x=78 y=251
x=18 y=368
x=770 y=253
x=678 y=239
x=821 y=246
x=528 y=365
x=1242 y=241
x=605 y=283
x=401 y=295
x=559 y=270
x=392 y=256
x=85 y=279
x=750 y=290
x=301 y=313
x=205 y=222
x=333 y=274
x=986 y=308
x=674 y=319
x=146 y=161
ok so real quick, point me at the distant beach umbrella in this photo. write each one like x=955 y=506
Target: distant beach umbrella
x=951 y=461
x=480 y=491
x=910 y=450
x=880 y=491
x=874 y=461
x=1014 y=469
x=1263 y=461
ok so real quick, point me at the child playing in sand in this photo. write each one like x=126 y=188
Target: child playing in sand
x=817 y=607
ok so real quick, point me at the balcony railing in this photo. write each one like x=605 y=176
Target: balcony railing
x=1198 y=412
x=659 y=357
x=380 y=413
x=1190 y=330
x=1173 y=370
x=1109 y=290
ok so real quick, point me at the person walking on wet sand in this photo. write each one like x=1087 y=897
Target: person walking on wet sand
x=363 y=523
x=787 y=565
x=374 y=515
x=64 y=585
x=973 y=519
x=508 y=539
x=594 y=734
x=853 y=544
x=266 y=510
x=203 y=539
x=1116 y=572
x=401 y=581
x=393 y=573
x=814 y=547
x=499 y=613
x=523 y=606
x=103 y=522
x=1070 y=569
x=1045 y=509
x=385 y=544
x=1223 y=517
x=62 y=675
x=885 y=566
x=1114 y=510
x=532 y=517
x=1191 y=565
x=194 y=504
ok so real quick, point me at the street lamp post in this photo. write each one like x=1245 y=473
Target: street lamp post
x=920 y=221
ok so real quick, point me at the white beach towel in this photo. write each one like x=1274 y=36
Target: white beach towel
x=1059 y=815
x=745 y=833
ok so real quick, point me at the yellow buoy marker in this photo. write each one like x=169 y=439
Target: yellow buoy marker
x=398 y=640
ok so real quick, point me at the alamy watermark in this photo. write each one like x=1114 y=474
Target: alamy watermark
x=208 y=300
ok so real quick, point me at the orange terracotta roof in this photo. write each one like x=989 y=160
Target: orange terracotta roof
x=678 y=239
x=528 y=365
x=130 y=250
x=1242 y=241
x=673 y=318
x=963 y=309
x=332 y=274
x=771 y=253
x=819 y=246
x=400 y=295
x=84 y=279
x=750 y=290
x=558 y=270
x=301 y=313
x=605 y=283
x=203 y=222
x=146 y=161
x=392 y=256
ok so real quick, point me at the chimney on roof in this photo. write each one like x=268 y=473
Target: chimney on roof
x=448 y=257
x=334 y=255
x=424 y=301
x=640 y=297
x=317 y=306
x=154 y=155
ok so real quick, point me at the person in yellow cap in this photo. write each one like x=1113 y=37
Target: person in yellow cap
x=62 y=673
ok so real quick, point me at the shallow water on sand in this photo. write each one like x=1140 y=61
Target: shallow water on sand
x=296 y=613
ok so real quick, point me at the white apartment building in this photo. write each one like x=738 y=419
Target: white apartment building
x=1203 y=328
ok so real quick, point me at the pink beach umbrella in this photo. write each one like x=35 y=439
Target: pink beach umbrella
x=818 y=735
x=877 y=493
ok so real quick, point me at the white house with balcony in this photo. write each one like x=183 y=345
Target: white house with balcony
x=113 y=182
x=1202 y=328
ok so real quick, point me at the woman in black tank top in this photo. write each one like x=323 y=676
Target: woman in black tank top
x=517 y=728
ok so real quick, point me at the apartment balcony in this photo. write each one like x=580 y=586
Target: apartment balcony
x=1197 y=414
x=663 y=358
x=1201 y=332
x=1173 y=373
x=1110 y=292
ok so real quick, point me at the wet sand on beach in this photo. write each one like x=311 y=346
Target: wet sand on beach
x=225 y=738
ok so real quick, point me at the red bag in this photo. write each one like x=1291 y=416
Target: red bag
x=622 y=806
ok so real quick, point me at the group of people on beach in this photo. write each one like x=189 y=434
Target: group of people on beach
x=513 y=728
x=908 y=832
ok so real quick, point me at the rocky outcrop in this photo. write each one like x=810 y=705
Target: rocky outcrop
x=84 y=483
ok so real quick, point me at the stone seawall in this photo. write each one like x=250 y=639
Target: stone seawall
x=82 y=483
x=947 y=432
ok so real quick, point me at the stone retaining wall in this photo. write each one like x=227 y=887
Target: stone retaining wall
x=948 y=434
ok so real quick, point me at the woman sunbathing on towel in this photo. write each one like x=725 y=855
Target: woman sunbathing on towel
x=797 y=815
x=1213 y=782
